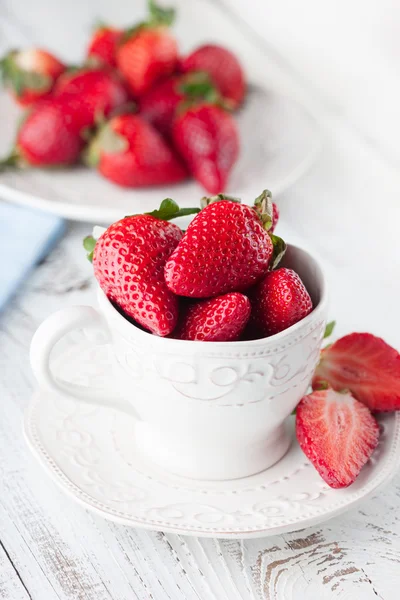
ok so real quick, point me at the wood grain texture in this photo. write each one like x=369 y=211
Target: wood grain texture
x=52 y=549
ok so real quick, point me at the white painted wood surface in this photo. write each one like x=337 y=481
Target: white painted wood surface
x=347 y=210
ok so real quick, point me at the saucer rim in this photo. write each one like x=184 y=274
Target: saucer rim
x=85 y=500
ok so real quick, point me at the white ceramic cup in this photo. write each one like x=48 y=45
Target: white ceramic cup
x=204 y=410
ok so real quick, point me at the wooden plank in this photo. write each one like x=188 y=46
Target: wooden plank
x=64 y=552
x=11 y=584
x=60 y=552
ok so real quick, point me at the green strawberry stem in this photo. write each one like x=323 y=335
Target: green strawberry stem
x=169 y=209
x=264 y=209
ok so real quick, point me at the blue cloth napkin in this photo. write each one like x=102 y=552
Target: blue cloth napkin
x=26 y=237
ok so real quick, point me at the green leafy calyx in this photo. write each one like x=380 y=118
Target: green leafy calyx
x=169 y=209
x=89 y=243
x=329 y=329
x=108 y=141
x=158 y=17
x=264 y=209
x=205 y=201
x=279 y=249
x=18 y=79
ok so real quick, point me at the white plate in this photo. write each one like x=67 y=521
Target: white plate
x=279 y=142
x=90 y=453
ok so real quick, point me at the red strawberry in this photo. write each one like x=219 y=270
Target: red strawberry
x=365 y=365
x=148 y=53
x=224 y=249
x=30 y=74
x=275 y=217
x=337 y=433
x=103 y=46
x=132 y=153
x=220 y=319
x=90 y=94
x=223 y=68
x=207 y=138
x=161 y=104
x=279 y=301
x=129 y=261
x=45 y=138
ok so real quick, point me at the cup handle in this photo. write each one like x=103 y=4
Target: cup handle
x=50 y=332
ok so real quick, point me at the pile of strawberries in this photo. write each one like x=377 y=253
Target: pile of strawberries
x=136 y=111
x=220 y=280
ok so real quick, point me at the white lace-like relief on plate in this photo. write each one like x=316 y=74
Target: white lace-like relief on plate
x=90 y=453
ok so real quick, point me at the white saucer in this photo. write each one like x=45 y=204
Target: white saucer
x=279 y=142
x=90 y=453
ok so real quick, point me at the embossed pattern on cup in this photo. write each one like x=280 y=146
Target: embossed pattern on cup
x=217 y=410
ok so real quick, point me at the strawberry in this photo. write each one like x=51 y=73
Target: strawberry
x=130 y=152
x=225 y=249
x=365 y=365
x=279 y=301
x=220 y=319
x=90 y=95
x=103 y=46
x=337 y=434
x=128 y=261
x=161 y=104
x=30 y=74
x=45 y=137
x=158 y=107
x=223 y=68
x=148 y=53
x=275 y=217
x=207 y=138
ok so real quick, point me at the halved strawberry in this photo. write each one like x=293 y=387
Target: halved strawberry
x=220 y=319
x=365 y=365
x=337 y=434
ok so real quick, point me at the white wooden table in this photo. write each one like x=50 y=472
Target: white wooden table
x=347 y=209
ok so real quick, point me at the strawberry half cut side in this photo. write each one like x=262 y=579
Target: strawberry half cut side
x=364 y=364
x=337 y=434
